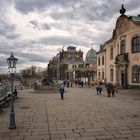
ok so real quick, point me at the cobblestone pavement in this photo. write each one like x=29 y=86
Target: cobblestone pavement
x=82 y=115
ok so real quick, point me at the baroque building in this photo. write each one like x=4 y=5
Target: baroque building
x=63 y=65
x=69 y=64
x=118 y=59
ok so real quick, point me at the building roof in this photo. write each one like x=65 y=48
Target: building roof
x=58 y=55
x=136 y=19
x=91 y=55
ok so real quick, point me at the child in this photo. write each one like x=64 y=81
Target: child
x=62 y=90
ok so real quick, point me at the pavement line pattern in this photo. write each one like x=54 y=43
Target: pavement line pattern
x=82 y=115
x=47 y=117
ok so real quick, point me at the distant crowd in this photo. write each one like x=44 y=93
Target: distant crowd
x=111 y=88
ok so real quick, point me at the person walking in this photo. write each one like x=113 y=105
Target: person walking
x=108 y=89
x=97 y=89
x=113 y=90
x=62 y=90
x=100 y=89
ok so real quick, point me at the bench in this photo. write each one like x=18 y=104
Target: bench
x=5 y=101
x=2 y=103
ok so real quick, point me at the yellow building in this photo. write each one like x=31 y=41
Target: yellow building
x=118 y=60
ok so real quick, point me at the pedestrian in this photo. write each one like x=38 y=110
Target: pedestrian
x=100 y=89
x=113 y=90
x=68 y=83
x=89 y=84
x=82 y=83
x=108 y=89
x=62 y=90
x=97 y=89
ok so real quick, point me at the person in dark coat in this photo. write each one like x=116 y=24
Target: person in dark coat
x=97 y=89
x=113 y=90
x=100 y=89
x=109 y=89
x=62 y=90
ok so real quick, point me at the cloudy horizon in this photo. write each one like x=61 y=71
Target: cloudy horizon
x=35 y=30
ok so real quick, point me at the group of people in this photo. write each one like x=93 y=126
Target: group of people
x=111 y=89
x=99 y=89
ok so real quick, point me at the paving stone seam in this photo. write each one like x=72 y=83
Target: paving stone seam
x=46 y=111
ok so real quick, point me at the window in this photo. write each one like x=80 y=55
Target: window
x=102 y=75
x=136 y=74
x=111 y=53
x=136 y=44
x=103 y=60
x=99 y=61
x=122 y=46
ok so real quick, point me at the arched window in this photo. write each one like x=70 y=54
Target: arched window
x=136 y=74
x=135 y=44
x=99 y=61
x=102 y=60
x=103 y=75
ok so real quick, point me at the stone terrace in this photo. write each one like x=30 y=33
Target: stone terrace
x=82 y=115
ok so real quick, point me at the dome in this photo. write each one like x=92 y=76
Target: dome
x=58 y=55
x=91 y=55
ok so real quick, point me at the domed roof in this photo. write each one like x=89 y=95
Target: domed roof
x=58 y=55
x=91 y=55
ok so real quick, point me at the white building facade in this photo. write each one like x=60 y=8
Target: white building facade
x=118 y=60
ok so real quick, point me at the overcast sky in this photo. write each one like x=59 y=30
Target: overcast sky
x=36 y=29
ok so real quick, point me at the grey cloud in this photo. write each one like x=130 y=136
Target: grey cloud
x=7 y=29
x=55 y=40
x=26 y=6
x=5 y=26
x=132 y=5
x=3 y=61
x=80 y=9
x=33 y=57
x=46 y=26
x=34 y=23
x=12 y=36
x=39 y=25
x=23 y=58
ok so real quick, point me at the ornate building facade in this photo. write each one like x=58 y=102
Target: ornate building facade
x=119 y=58
x=63 y=65
x=69 y=64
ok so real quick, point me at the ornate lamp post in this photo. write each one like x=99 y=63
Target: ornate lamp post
x=12 y=66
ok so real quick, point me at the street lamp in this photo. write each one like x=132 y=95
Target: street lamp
x=12 y=66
